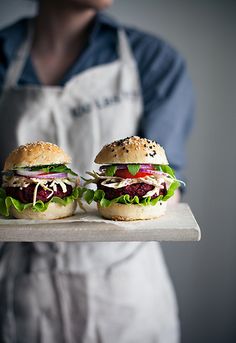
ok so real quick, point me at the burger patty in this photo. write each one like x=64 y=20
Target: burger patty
x=25 y=194
x=136 y=189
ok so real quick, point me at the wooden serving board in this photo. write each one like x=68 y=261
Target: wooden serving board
x=178 y=224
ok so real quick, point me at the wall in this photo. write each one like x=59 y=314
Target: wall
x=203 y=273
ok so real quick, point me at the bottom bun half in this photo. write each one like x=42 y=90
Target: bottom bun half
x=54 y=211
x=132 y=212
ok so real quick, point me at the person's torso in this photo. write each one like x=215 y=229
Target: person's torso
x=55 y=288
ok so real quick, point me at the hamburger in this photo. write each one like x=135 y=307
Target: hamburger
x=37 y=184
x=134 y=180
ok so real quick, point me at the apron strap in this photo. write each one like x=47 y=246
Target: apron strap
x=124 y=50
x=16 y=66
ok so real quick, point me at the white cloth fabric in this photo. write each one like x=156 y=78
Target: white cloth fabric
x=81 y=292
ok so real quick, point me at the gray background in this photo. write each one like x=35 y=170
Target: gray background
x=203 y=273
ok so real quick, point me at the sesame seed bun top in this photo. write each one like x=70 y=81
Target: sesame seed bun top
x=36 y=154
x=132 y=150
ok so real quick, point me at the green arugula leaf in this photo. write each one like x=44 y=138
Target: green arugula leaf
x=36 y=168
x=133 y=168
x=111 y=170
x=6 y=202
x=61 y=169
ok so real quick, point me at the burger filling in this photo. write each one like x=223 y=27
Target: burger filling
x=35 y=187
x=141 y=190
x=143 y=184
x=32 y=190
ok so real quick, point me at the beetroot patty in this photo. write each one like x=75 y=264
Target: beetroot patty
x=25 y=195
x=139 y=189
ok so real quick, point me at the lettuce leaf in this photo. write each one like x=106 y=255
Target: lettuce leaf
x=89 y=196
x=99 y=196
x=171 y=190
x=6 y=202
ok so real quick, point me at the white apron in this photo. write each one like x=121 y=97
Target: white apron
x=80 y=292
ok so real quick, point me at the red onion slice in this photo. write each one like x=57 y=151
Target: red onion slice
x=28 y=173
x=52 y=176
x=151 y=171
x=119 y=166
x=39 y=174
x=146 y=167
